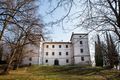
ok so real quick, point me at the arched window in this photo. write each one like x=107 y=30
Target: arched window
x=56 y=62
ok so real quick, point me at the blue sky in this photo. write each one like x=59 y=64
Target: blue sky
x=58 y=33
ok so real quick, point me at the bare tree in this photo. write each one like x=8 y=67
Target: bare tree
x=20 y=26
x=18 y=42
x=13 y=13
x=92 y=14
x=21 y=38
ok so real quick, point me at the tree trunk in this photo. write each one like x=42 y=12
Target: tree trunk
x=6 y=69
x=8 y=65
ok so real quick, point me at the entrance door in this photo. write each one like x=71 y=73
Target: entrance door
x=56 y=62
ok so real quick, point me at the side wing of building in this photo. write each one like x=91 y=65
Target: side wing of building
x=81 y=49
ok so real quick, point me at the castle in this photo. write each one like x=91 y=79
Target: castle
x=60 y=53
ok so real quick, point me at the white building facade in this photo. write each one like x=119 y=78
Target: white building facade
x=61 y=53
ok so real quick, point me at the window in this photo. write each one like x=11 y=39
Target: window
x=46 y=53
x=59 y=46
x=66 y=53
x=30 y=64
x=82 y=58
x=47 y=46
x=81 y=42
x=52 y=53
x=53 y=46
x=66 y=46
x=59 y=53
x=67 y=61
x=30 y=59
x=81 y=50
x=46 y=61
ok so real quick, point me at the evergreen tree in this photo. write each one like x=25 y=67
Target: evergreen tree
x=112 y=53
x=98 y=52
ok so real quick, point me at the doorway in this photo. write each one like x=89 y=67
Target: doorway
x=56 y=62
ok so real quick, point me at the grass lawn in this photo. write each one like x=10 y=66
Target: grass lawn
x=61 y=73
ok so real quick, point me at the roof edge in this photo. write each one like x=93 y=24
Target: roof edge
x=77 y=34
x=57 y=42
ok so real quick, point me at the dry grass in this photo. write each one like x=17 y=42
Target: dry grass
x=61 y=73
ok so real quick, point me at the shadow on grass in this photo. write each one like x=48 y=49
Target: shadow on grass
x=80 y=71
x=67 y=70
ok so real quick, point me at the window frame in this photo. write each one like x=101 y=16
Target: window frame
x=81 y=50
x=53 y=53
x=81 y=42
x=67 y=60
x=53 y=46
x=46 y=53
x=60 y=53
x=67 y=53
x=30 y=59
x=46 y=61
x=60 y=46
x=66 y=46
x=82 y=59
x=47 y=46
